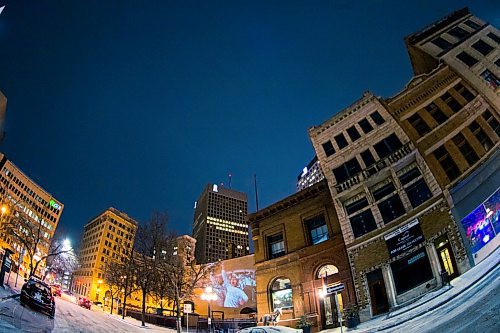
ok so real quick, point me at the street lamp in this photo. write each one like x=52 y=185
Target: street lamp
x=209 y=296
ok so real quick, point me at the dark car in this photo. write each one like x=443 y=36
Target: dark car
x=37 y=294
x=84 y=303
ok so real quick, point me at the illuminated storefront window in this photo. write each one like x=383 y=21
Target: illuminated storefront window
x=281 y=294
x=482 y=225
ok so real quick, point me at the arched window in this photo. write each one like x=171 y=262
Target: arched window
x=281 y=294
x=326 y=270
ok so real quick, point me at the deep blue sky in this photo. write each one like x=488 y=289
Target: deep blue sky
x=140 y=104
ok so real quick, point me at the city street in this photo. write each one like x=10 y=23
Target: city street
x=69 y=318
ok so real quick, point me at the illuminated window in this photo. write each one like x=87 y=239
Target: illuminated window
x=281 y=294
x=327 y=270
x=317 y=229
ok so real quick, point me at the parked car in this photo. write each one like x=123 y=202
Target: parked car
x=98 y=303
x=270 y=329
x=56 y=290
x=84 y=302
x=37 y=294
x=68 y=296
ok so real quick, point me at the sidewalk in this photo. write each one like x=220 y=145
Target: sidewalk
x=137 y=323
x=429 y=301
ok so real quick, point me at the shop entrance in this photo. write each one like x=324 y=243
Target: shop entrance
x=446 y=257
x=329 y=315
x=378 y=294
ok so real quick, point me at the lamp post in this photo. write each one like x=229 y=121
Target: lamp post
x=209 y=296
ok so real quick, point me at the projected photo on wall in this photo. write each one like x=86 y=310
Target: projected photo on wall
x=482 y=225
x=235 y=288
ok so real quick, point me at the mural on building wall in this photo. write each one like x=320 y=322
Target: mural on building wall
x=234 y=283
x=483 y=224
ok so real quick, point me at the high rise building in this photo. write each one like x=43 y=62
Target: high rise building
x=220 y=224
x=310 y=175
x=39 y=211
x=107 y=237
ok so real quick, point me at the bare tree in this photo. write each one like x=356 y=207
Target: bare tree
x=66 y=262
x=151 y=239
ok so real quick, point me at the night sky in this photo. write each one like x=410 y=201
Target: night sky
x=139 y=104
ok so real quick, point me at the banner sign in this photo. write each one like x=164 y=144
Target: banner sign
x=404 y=238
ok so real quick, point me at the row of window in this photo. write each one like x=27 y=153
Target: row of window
x=467 y=151
x=455 y=35
x=353 y=133
x=387 y=199
x=352 y=167
x=438 y=115
x=317 y=232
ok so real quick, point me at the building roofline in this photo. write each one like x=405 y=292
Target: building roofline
x=436 y=26
x=289 y=201
x=116 y=212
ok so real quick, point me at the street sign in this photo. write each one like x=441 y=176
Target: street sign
x=188 y=308
x=335 y=288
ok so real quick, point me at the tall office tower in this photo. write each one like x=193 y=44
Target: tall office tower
x=3 y=108
x=310 y=175
x=220 y=224
x=37 y=210
x=106 y=238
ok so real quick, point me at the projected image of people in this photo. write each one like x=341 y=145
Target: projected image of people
x=234 y=288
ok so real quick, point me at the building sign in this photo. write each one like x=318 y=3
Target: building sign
x=188 y=308
x=55 y=204
x=335 y=288
x=404 y=238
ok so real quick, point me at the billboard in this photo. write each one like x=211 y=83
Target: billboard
x=482 y=224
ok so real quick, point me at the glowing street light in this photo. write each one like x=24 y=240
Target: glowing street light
x=209 y=296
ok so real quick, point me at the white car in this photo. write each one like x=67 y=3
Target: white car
x=270 y=329
x=68 y=296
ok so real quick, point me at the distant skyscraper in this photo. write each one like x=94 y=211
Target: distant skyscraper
x=310 y=175
x=220 y=224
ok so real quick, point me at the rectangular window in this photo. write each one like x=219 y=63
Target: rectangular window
x=328 y=148
x=492 y=121
x=347 y=170
x=467 y=59
x=466 y=94
x=497 y=62
x=353 y=133
x=419 y=124
x=411 y=271
x=276 y=246
x=465 y=148
x=363 y=223
x=436 y=113
x=341 y=141
x=442 y=43
x=458 y=32
x=317 y=229
x=409 y=176
x=418 y=193
x=482 y=47
x=491 y=79
x=353 y=207
x=377 y=118
x=388 y=145
x=451 y=102
x=472 y=24
x=365 y=126
x=494 y=37
x=383 y=191
x=391 y=208
x=447 y=163
x=480 y=135
x=367 y=157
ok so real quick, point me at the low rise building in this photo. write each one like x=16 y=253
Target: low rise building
x=299 y=249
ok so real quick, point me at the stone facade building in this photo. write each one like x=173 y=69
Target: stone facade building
x=299 y=248
x=390 y=206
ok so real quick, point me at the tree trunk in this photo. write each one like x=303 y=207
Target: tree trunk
x=177 y=301
x=143 y=306
x=111 y=293
x=125 y=298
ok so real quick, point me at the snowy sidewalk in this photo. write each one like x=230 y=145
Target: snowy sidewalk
x=431 y=300
x=137 y=323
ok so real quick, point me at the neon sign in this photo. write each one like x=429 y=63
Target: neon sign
x=55 y=204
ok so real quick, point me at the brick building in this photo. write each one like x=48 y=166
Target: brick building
x=297 y=242
x=458 y=133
